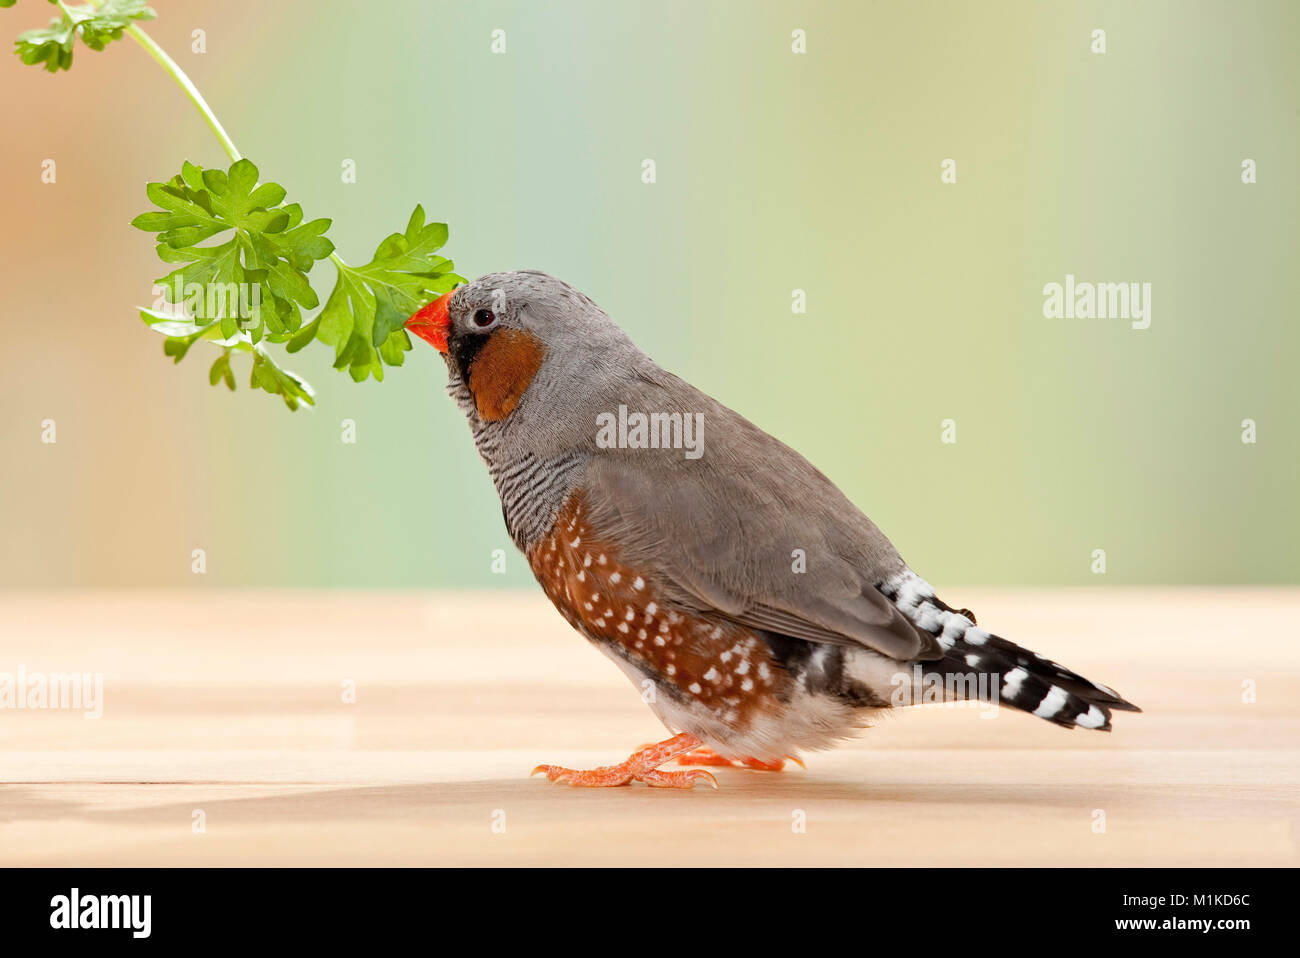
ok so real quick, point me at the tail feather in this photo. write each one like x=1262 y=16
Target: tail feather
x=1026 y=680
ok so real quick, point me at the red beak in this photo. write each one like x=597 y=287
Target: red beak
x=431 y=322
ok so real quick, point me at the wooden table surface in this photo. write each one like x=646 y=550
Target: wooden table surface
x=231 y=704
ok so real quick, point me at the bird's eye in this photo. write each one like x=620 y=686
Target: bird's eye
x=484 y=318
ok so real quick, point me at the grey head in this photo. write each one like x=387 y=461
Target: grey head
x=533 y=358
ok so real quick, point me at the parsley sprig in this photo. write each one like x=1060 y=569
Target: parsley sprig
x=98 y=25
x=243 y=256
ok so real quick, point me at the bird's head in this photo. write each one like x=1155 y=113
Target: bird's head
x=507 y=334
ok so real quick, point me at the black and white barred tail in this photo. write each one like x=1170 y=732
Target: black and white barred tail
x=1025 y=679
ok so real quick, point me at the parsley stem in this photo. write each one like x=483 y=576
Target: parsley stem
x=186 y=84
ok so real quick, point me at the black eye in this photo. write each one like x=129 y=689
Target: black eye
x=484 y=317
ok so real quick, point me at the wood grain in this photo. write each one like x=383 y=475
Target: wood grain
x=231 y=703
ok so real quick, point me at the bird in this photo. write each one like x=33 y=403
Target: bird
x=662 y=524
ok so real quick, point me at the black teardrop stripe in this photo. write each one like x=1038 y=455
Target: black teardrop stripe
x=463 y=348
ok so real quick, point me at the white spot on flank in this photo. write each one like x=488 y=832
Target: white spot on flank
x=695 y=688
x=615 y=577
x=622 y=627
x=582 y=576
x=743 y=667
x=712 y=675
x=747 y=684
x=576 y=542
x=976 y=636
x=973 y=660
x=586 y=561
x=651 y=609
x=638 y=583
x=659 y=640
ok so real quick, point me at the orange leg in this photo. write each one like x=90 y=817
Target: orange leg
x=642 y=766
x=707 y=756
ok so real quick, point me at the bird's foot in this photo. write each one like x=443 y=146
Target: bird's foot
x=641 y=766
x=707 y=756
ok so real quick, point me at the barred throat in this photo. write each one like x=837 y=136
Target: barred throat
x=1026 y=680
x=532 y=488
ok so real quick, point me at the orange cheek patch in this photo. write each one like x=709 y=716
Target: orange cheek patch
x=502 y=370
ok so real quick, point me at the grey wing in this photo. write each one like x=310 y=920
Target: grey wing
x=721 y=533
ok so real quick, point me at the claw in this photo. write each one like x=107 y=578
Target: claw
x=553 y=773
x=657 y=779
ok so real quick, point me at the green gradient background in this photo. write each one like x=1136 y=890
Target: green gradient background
x=775 y=171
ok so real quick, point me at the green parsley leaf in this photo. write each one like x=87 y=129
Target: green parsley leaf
x=258 y=275
x=267 y=374
x=97 y=25
x=364 y=315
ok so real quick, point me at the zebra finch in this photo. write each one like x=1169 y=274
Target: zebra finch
x=672 y=554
